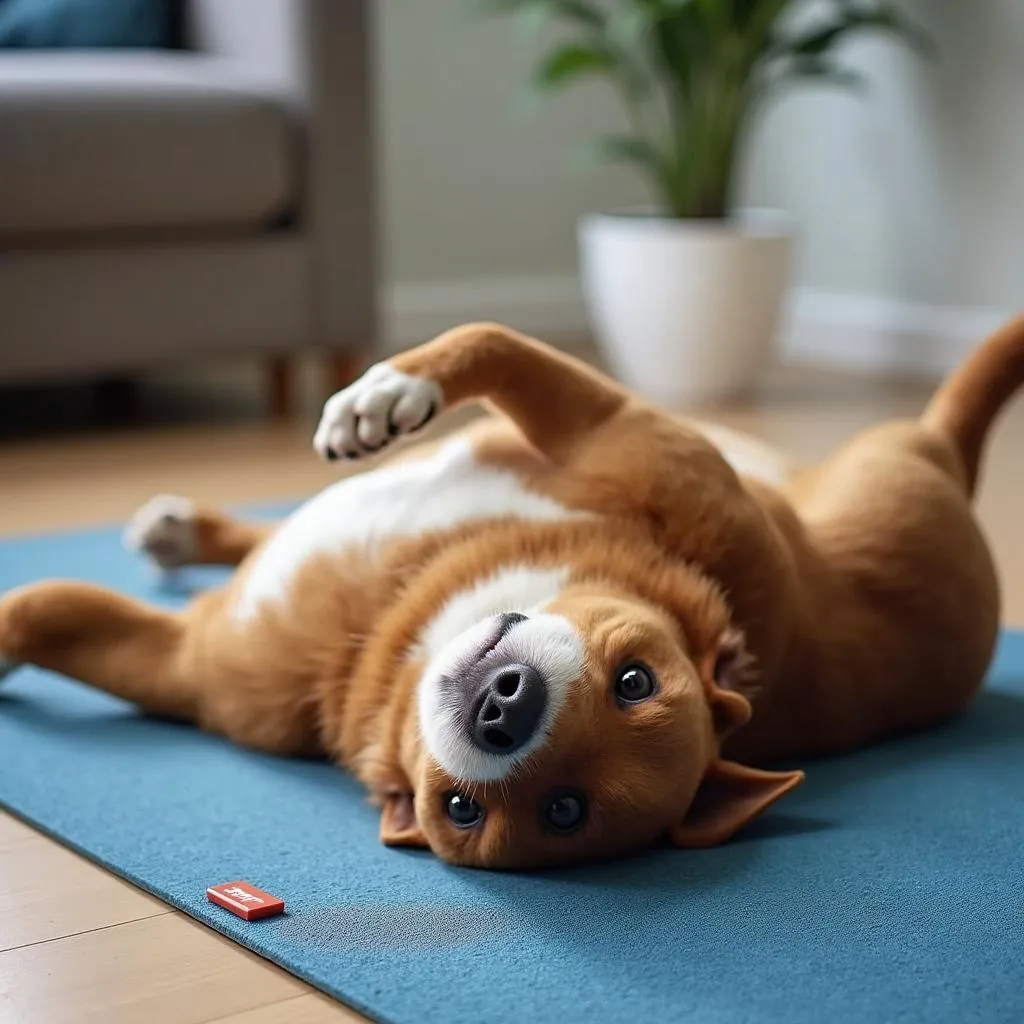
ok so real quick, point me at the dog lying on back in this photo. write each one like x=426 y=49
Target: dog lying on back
x=573 y=630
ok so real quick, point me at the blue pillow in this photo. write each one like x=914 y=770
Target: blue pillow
x=89 y=24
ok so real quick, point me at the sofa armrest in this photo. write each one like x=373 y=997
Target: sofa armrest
x=320 y=54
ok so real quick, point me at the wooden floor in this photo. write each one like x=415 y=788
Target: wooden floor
x=78 y=945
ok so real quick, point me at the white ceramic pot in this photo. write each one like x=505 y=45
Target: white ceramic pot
x=686 y=312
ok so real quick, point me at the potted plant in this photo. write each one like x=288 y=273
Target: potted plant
x=686 y=296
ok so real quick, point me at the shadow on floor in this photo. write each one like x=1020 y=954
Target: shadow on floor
x=118 y=404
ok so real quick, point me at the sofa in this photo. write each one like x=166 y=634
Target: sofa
x=161 y=206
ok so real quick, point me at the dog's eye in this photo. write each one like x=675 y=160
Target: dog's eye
x=634 y=684
x=565 y=812
x=464 y=811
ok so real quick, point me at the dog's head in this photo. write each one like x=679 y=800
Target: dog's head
x=589 y=728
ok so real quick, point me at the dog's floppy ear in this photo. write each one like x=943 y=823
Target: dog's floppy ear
x=730 y=796
x=398 y=823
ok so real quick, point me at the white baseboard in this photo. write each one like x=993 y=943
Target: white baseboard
x=864 y=333
x=877 y=335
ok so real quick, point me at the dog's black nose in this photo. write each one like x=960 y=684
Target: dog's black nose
x=514 y=697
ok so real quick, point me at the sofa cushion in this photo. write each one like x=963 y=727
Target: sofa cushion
x=89 y=23
x=139 y=141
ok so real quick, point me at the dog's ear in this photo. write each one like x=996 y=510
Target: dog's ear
x=730 y=796
x=398 y=823
x=729 y=710
x=726 y=668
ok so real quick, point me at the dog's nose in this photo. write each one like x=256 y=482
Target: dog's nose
x=514 y=697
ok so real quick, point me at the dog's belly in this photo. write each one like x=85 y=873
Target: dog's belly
x=444 y=490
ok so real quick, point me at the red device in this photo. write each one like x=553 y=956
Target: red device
x=245 y=900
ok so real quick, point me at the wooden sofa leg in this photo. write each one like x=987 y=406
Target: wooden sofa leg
x=280 y=386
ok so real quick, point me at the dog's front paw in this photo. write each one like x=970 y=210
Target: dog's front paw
x=164 y=530
x=382 y=405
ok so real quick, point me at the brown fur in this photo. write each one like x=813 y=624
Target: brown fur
x=863 y=592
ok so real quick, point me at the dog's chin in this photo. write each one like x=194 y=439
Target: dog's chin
x=548 y=642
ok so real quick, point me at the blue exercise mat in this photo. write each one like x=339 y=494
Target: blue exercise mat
x=889 y=888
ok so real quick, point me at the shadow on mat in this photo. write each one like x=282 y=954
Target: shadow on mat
x=111 y=723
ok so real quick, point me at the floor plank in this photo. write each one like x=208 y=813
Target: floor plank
x=164 y=969
x=310 y=1009
x=49 y=892
x=14 y=831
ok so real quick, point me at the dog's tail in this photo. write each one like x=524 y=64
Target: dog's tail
x=970 y=399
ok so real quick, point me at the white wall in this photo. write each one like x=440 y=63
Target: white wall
x=911 y=199
x=474 y=185
x=915 y=191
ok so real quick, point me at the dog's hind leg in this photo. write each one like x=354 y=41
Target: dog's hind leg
x=174 y=532
x=94 y=635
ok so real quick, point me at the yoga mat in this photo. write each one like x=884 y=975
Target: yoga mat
x=889 y=888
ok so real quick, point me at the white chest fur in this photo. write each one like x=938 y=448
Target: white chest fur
x=444 y=490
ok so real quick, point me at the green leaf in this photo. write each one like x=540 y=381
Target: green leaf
x=580 y=12
x=825 y=71
x=624 y=149
x=745 y=10
x=890 y=19
x=572 y=60
x=760 y=23
x=683 y=47
x=667 y=8
x=822 y=39
x=813 y=43
x=716 y=15
x=629 y=23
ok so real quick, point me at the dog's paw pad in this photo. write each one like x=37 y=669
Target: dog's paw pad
x=164 y=530
x=382 y=405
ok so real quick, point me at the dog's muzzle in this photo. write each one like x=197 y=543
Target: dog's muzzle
x=491 y=697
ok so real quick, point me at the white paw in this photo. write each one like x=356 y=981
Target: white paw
x=164 y=530
x=382 y=405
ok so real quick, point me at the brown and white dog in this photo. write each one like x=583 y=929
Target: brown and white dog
x=541 y=640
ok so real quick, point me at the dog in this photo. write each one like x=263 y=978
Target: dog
x=576 y=629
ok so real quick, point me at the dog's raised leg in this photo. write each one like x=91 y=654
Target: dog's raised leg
x=112 y=642
x=640 y=460
x=554 y=399
x=174 y=532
